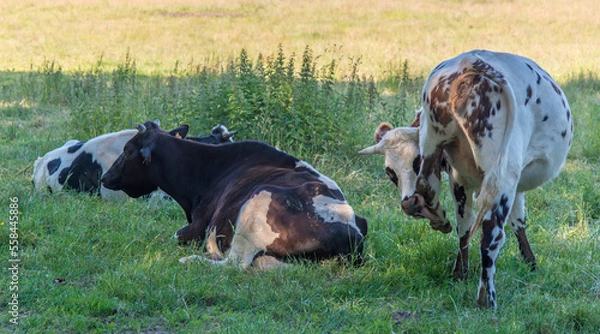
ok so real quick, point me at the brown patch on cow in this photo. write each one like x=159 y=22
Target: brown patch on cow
x=487 y=70
x=524 y=246
x=466 y=88
x=440 y=101
x=430 y=165
x=417 y=122
x=461 y=264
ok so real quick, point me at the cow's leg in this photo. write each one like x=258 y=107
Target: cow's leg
x=517 y=223
x=463 y=205
x=494 y=202
x=191 y=232
x=438 y=128
x=267 y=262
x=425 y=202
x=253 y=234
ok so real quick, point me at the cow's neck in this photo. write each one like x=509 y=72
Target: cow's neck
x=180 y=174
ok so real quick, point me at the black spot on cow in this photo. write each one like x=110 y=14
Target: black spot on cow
x=486 y=262
x=62 y=177
x=501 y=209
x=392 y=175
x=461 y=198
x=539 y=78
x=83 y=175
x=529 y=94
x=75 y=148
x=417 y=164
x=439 y=67
x=53 y=165
x=555 y=87
x=498 y=104
x=545 y=118
x=564 y=133
x=538 y=101
x=568 y=114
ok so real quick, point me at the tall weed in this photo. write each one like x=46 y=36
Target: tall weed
x=295 y=104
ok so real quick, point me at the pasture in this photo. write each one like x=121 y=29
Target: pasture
x=314 y=79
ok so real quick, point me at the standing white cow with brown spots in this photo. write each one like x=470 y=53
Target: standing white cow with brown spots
x=503 y=126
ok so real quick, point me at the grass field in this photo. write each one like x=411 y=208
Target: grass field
x=77 y=70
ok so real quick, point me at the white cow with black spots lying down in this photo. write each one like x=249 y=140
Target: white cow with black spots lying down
x=500 y=125
x=79 y=165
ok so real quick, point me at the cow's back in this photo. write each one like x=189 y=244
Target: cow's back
x=47 y=168
x=79 y=165
x=504 y=104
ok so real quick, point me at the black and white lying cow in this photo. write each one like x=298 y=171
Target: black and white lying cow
x=79 y=165
x=244 y=198
x=501 y=126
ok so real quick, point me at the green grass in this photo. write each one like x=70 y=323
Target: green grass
x=89 y=265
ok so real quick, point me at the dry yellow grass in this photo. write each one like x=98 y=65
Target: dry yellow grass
x=561 y=35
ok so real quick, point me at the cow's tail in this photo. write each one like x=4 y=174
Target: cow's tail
x=494 y=177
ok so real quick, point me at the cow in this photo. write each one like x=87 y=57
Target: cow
x=500 y=126
x=245 y=199
x=79 y=165
x=218 y=135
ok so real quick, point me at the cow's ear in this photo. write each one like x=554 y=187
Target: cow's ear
x=146 y=152
x=180 y=132
x=382 y=129
x=417 y=122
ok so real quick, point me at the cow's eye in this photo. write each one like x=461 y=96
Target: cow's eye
x=417 y=164
x=390 y=172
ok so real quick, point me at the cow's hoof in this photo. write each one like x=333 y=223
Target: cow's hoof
x=188 y=259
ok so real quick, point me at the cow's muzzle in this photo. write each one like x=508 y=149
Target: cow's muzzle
x=415 y=206
x=109 y=182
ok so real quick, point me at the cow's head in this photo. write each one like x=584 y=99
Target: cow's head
x=132 y=171
x=222 y=134
x=400 y=147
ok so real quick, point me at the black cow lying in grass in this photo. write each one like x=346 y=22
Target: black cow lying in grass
x=247 y=198
x=79 y=165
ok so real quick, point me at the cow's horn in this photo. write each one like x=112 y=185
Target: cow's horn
x=141 y=127
x=229 y=134
x=375 y=149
